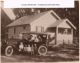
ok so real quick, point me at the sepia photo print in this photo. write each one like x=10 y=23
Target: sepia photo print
x=40 y=34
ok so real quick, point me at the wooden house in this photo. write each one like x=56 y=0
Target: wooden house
x=49 y=22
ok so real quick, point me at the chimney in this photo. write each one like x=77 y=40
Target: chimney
x=32 y=10
x=38 y=11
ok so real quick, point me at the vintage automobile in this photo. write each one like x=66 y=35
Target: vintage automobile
x=31 y=42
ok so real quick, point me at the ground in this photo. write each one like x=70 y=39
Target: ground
x=52 y=56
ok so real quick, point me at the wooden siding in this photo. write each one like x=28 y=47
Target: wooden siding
x=45 y=21
x=42 y=24
x=65 y=38
x=11 y=32
x=64 y=24
x=18 y=30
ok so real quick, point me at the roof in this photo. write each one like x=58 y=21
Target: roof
x=30 y=18
x=55 y=24
x=68 y=21
x=26 y=19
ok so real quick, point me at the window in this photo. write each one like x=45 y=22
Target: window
x=42 y=29
x=14 y=30
x=69 y=31
x=24 y=27
x=36 y=28
x=65 y=31
x=61 y=31
x=39 y=29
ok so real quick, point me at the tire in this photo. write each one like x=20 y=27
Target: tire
x=9 y=51
x=42 y=50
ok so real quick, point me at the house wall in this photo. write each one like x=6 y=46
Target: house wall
x=13 y=32
x=65 y=37
x=43 y=22
x=10 y=32
x=64 y=24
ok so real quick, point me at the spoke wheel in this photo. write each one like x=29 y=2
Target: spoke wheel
x=9 y=51
x=42 y=50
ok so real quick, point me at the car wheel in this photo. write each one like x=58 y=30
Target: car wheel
x=9 y=51
x=42 y=50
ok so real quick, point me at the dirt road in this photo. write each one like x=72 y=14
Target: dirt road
x=50 y=57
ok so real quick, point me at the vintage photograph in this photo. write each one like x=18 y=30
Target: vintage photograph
x=40 y=34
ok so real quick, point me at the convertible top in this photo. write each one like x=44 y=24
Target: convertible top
x=36 y=33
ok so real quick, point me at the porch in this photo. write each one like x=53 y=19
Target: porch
x=60 y=35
